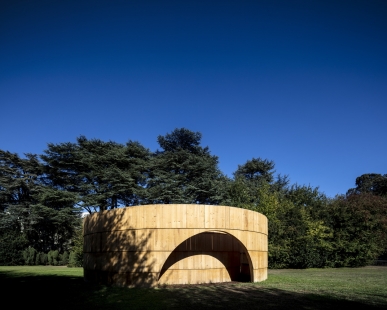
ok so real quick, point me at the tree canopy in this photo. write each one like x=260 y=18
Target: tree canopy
x=102 y=175
x=42 y=197
x=256 y=169
x=45 y=216
x=373 y=183
x=183 y=171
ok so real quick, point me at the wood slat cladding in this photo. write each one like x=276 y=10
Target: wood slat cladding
x=175 y=244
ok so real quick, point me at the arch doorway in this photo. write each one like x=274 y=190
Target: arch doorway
x=208 y=257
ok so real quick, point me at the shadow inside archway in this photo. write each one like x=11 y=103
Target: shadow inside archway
x=220 y=256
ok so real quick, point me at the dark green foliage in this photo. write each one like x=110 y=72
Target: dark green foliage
x=308 y=230
x=254 y=174
x=76 y=254
x=359 y=225
x=240 y=194
x=29 y=256
x=256 y=169
x=41 y=198
x=370 y=183
x=18 y=187
x=32 y=257
x=181 y=139
x=101 y=175
x=43 y=259
x=52 y=258
x=297 y=236
x=64 y=258
x=29 y=204
x=75 y=260
x=37 y=259
x=12 y=244
x=184 y=172
x=55 y=226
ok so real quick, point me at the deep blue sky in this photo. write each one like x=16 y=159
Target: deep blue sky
x=302 y=83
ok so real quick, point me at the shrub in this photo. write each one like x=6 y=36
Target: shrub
x=359 y=225
x=43 y=259
x=64 y=258
x=52 y=258
x=12 y=244
x=55 y=257
x=29 y=256
x=76 y=254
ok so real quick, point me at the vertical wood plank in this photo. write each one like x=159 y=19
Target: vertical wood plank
x=227 y=217
x=144 y=237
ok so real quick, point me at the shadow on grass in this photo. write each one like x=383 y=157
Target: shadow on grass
x=71 y=292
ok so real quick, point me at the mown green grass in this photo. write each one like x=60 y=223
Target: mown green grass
x=63 y=288
x=361 y=284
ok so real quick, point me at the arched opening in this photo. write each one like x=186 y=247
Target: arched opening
x=208 y=257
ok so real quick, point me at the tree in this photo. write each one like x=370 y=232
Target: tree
x=184 y=172
x=370 y=183
x=310 y=237
x=12 y=244
x=298 y=238
x=76 y=253
x=29 y=256
x=359 y=225
x=259 y=172
x=256 y=169
x=58 y=218
x=53 y=258
x=18 y=187
x=30 y=207
x=240 y=194
x=103 y=175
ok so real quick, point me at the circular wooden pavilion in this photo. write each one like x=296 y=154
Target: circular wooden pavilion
x=175 y=244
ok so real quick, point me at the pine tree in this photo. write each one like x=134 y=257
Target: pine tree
x=183 y=171
x=31 y=206
x=103 y=175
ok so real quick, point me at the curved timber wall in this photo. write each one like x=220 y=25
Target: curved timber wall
x=175 y=244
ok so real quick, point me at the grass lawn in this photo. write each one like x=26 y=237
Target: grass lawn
x=63 y=288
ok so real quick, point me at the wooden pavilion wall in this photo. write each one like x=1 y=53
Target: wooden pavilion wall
x=175 y=244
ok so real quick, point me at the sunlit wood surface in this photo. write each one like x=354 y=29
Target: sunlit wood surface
x=175 y=244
